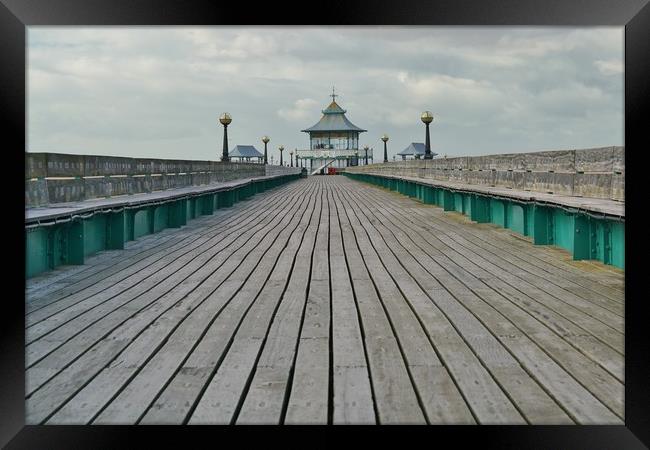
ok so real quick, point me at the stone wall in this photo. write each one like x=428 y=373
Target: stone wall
x=281 y=170
x=55 y=177
x=594 y=172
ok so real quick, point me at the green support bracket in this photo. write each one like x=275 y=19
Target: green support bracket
x=429 y=195
x=207 y=204
x=542 y=225
x=467 y=204
x=75 y=242
x=508 y=211
x=129 y=225
x=151 y=219
x=447 y=200
x=177 y=213
x=583 y=238
x=116 y=233
x=528 y=219
x=225 y=199
x=458 y=202
x=480 y=209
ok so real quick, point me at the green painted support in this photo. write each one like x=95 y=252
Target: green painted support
x=75 y=243
x=563 y=224
x=116 y=234
x=542 y=225
x=583 y=236
x=458 y=202
x=177 y=213
x=618 y=244
x=516 y=217
x=161 y=217
x=480 y=209
x=497 y=212
x=529 y=219
x=225 y=199
x=69 y=243
x=447 y=200
x=95 y=230
x=207 y=204
x=129 y=220
x=429 y=195
x=36 y=251
x=412 y=189
x=151 y=219
x=467 y=204
x=583 y=244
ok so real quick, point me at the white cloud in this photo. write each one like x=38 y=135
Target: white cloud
x=302 y=109
x=157 y=91
x=610 y=67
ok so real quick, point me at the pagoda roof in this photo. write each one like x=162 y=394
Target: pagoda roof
x=415 y=148
x=334 y=120
x=245 y=151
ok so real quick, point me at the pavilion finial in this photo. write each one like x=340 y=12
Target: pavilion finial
x=333 y=95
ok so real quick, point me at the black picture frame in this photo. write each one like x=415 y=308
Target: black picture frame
x=16 y=15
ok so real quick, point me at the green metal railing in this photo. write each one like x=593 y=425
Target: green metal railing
x=584 y=235
x=69 y=241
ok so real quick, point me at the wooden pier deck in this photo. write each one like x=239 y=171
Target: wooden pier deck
x=327 y=301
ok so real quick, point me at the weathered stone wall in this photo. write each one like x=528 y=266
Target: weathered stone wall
x=281 y=170
x=595 y=172
x=55 y=177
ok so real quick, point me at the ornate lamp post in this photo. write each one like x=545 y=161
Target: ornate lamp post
x=266 y=140
x=427 y=118
x=225 y=120
x=366 y=150
x=385 y=139
x=281 y=148
x=291 y=156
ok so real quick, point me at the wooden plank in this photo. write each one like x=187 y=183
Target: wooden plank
x=135 y=398
x=226 y=218
x=134 y=295
x=448 y=254
x=175 y=403
x=564 y=274
x=395 y=397
x=74 y=376
x=497 y=406
x=352 y=392
x=309 y=395
x=104 y=279
x=496 y=323
x=218 y=404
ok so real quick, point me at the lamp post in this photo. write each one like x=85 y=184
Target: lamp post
x=291 y=155
x=225 y=120
x=366 y=150
x=427 y=118
x=281 y=148
x=266 y=140
x=385 y=139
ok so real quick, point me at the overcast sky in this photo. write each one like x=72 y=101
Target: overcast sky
x=158 y=91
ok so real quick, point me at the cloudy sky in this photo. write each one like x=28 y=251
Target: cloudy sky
x=158 y=91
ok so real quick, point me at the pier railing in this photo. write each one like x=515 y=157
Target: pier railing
x=55 y=177
x=593 y=173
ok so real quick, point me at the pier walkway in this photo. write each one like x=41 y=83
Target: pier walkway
x=327 y=300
